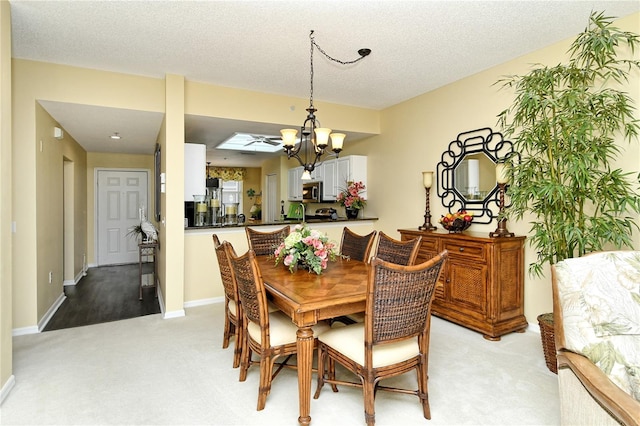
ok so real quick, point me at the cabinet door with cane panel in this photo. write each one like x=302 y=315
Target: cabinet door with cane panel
x=482 y=284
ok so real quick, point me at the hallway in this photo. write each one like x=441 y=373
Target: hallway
x=107 y=293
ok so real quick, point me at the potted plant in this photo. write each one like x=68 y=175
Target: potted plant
x=564 y=121
x=352 y=199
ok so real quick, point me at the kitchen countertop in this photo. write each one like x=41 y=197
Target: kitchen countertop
x=280 y=222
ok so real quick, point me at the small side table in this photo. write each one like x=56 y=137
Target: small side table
x=147 y=253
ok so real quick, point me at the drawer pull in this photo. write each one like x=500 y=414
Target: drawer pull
x=461 y=249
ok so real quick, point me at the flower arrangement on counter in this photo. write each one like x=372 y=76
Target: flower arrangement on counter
x=307 y=247
x=456 y=222
x=351 y=197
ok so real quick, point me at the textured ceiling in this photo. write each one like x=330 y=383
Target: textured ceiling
x=417 y=46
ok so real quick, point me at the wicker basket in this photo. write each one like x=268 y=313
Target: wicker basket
x=547 y=334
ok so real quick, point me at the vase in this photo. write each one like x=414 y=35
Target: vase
x=352 y=213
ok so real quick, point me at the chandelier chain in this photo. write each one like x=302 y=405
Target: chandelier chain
x=309 y=147
x=313 y=42
x=311 y=73
x=331 y=58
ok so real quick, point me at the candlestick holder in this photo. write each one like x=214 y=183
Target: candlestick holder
x=501 y=230
x=427 y=226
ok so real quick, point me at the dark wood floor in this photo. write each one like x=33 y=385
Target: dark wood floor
x=107 y=293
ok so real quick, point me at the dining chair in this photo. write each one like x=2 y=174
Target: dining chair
x=265 y=243
x=269 y=335
x=355 y=246
x=232 y=309
x=397 y=251
x=393 y=340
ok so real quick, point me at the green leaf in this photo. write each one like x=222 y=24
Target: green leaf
x=564 y=121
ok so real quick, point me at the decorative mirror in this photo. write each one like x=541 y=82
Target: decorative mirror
x=466 y=173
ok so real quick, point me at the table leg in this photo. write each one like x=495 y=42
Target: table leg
x=304 y=342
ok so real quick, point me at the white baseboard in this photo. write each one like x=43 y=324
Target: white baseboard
x=160 y=299
x=25 y=330
x=202 y=302
x=168 y=315
x=43 y=322
x=534 y=327
x=52 y=310
x=4 y=392
x=173 y=314
x=76 y=280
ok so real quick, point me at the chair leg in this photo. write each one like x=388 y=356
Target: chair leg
x=423 y=391
x=368 y=388
x=227 y=331
x=245 y=360
x=321 y=369
x=332 y=372
x=239 y=336
x=266 y=368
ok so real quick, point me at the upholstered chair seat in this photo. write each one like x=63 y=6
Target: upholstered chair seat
x=349 y=341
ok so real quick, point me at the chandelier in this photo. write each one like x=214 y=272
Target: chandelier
x=314 y=139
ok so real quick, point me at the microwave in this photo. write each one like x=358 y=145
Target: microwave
x=312 y=192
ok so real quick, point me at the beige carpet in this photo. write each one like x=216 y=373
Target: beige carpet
x=150 y=371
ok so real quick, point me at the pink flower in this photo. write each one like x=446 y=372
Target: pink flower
x=351 y=196
x=288 y=260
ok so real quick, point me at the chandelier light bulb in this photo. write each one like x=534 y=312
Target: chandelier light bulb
x=322 y=137
x=289 y=137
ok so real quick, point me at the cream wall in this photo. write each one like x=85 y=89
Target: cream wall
x=51 y=154
x=6 y=356
x=252 y=179
x=216 y=101
x=416 y=132
x=98 y=160
x=172 y=251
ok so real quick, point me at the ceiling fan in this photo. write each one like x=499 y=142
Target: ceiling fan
x=274 y=141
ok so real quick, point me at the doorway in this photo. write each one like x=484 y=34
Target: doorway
x=68 y=203
x=271 y=208
x=121 y=198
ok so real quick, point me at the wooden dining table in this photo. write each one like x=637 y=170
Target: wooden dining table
x=308 y=298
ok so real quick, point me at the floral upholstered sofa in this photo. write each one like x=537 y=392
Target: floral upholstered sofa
x=597 y=333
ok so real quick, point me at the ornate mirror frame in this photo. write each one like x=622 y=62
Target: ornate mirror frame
x=480 y=141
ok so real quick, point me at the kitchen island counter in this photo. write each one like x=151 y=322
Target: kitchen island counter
x=312 y=219
x=202 y=284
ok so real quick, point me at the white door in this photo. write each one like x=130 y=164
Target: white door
x=120 y=194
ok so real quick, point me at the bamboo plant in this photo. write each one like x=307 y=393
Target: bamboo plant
x=564 y=121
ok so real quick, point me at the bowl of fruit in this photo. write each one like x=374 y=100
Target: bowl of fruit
x=456 y=222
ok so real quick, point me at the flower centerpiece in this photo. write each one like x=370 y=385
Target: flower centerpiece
x=456 y=222
x=307 y=247
x=352 y=199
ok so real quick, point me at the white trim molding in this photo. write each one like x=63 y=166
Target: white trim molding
x=6 y=389
x=202 y=302
x=51 y=312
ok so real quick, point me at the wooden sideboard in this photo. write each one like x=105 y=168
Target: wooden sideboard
x=482 y=284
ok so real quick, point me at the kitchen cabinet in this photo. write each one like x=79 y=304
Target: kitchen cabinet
x=339 y=171
x=482 y=284
x=295 y=183
x=334 y=175
x=329 y=181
